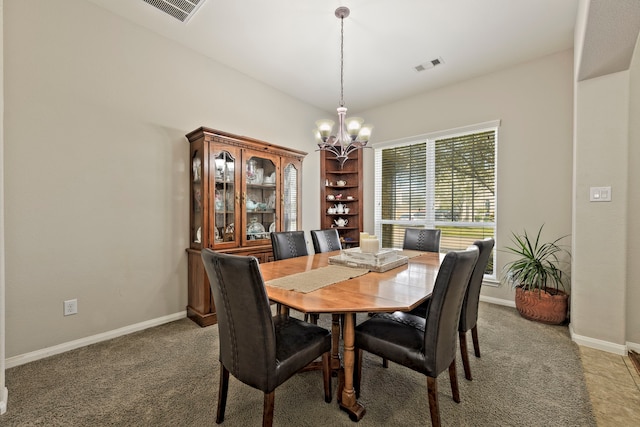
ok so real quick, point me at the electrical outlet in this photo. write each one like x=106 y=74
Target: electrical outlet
x=70 y=307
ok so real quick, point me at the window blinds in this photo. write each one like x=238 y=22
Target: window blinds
x=448 y=182
x=465 y=178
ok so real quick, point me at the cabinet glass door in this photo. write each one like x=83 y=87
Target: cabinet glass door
x=290 y=188
x=197 y=191
x=260 y=198
x=224 y=203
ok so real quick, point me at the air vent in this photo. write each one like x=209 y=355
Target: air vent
x=428 y=65
x=182 y=10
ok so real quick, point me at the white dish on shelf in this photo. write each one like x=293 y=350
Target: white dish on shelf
x=255 y=227
x=272 y=227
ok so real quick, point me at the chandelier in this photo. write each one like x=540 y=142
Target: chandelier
x=352 y=134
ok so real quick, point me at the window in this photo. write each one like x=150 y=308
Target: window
x=445 y=180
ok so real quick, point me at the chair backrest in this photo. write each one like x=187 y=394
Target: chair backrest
x=288 y=244
x=469 y=313
x=441 y=327
x=325 y=240
x=246 y=329
x=422 y=239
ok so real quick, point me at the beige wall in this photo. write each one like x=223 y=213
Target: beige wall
x=605 y=271
x=3 y=389
x=600 y=229
x=633 y=196
x=96 y=166
x=534 y=103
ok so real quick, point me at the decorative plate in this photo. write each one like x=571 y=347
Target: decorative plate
x=255 y=227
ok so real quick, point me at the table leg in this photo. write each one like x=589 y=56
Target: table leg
x=335 y=346
x=283 y=309
x=347 y=394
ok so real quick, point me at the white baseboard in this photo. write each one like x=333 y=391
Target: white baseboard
x=633 y=346
x=4 y=398
x=498 y=301
x=598 y=344
x=82 y=342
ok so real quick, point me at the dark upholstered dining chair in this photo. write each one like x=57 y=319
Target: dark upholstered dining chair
x=422 y=239
x=325 y=240
x=288 y=244
x=259 y=350
x=469 y=312
x=426 y=345
x=419 y=239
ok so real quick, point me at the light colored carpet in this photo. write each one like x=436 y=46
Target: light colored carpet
x=529 y=375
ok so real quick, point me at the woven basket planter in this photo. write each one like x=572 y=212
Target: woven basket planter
x=542 y=306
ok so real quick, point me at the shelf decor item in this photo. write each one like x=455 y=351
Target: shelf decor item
x=352 y=135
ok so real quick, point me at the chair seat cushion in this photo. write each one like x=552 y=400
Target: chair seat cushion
x=297 y=344
x=398 y=337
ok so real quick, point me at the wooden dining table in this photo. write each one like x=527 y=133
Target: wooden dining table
x=402 y=288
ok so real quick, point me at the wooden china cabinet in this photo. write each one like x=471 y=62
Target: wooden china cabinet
x=242 y=189
x=341 y=190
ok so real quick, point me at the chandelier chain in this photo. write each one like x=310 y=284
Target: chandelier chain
x=342 y=61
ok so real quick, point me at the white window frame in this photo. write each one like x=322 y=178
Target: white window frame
x=430 y=138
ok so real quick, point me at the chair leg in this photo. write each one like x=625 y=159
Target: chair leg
x=358 y=372
x=267 y=412
x=432 y=388
x=474 y=337
x=222 y=393
x=464 y=352
x=385 y=363
x=454 y=382
x=326 y=376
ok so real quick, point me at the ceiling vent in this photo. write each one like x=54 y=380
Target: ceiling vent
x=428 y=65
x=182 y=10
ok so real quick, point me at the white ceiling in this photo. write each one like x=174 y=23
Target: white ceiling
x=294 y=46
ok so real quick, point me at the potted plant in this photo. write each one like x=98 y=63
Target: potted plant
x=538 y=277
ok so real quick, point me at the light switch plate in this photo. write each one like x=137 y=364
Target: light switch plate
x=600 y=194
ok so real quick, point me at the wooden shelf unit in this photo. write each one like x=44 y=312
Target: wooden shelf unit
x=349 y=195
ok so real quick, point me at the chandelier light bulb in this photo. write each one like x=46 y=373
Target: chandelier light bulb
x=325 y=127
x=354 y=124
